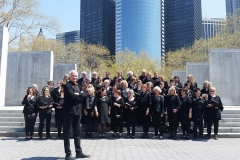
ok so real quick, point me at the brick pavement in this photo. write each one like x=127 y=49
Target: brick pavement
x=123 y=149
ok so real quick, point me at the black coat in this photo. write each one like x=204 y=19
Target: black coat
x=198 y=106
x=157 y=102
x=72 y=103
x=211 y=112
x=30 y=106
x=186 y=104
x=172 y=102
x=145 y=101
x=45 y=101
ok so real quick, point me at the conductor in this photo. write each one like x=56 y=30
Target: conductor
x=72 y=110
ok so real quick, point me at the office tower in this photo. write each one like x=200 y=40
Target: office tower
x=232 y=6
x=69 y=37
x=212 y=27
x=97 y=24
x=183 y=23
x=138 y=26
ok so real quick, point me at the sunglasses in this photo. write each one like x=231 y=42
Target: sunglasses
x=212 y=91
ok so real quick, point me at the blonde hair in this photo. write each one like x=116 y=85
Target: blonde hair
x=43 y=91
x=209 y=84
x=157 y=89
x=131 y=91
x=149 y=83
x=169 y=91
x=191 y=79
x=212 y=88
x=124 y=82
x=107 y=81
x=91 y=91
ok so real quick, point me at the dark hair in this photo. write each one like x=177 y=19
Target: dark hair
x=186 y=84
x=43 y=90
x=196 y=89
x=177 y=77
x=100 y=91
x=184 y=90
x=172 y=80
x=118 y=92
x=133 y=79
x=49 y=82
x=28 y=90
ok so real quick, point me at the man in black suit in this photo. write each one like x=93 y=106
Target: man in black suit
x=83 y=80
x=72 y=109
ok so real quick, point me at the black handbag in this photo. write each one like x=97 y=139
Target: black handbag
x=218 y=114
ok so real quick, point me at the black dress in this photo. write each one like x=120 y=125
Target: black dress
x=103 y=104
x=118 y=115
x=186 y=104
x=131 y=115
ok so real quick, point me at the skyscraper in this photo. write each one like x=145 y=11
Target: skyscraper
x=183 y=23
x=212 y=27
x=232 y=6
x=138 y=26
x=97 y=24
x=69 y=37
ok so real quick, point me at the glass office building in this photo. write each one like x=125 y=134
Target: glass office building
x=69 y=37
x=183 y=23
x=138 y=26
x=212 y=27
x=232 y=6
x=97 y=24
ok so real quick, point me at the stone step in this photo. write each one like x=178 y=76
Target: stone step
x=109 y=134
x=230 y=120
x=230 y=116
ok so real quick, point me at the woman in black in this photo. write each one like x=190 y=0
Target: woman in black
x=132 y=85
x=131 y=106
x=117 y=114
x=89 y=103
x=157 y=110
x=190 y=93
x=29 y=111
x=198 y=105
x=185 y=113
x=178 y=82
x=190 y=80
x=145 y=104
x=213 y=110
x=164 y=90
x=160 y=79
x=137 y=92
x=99 y=83
x=173 y=105
x=45 y=112
x=102 y=110
x=205 y=90
x=59 y=115
x=116 y=82
x=55 y=96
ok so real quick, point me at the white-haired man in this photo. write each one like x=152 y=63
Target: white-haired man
x=83 y=79
x=72 y=109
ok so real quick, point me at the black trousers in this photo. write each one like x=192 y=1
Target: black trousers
x=157 y=121
x=173 y=126
x=29 y=125
x=198 y=123
x=145 y=123
x=130 y=120
x=43 y=116
x=72 y=121
x=213 y=121
x=185 y=127
x=118 y=125
x=60 y=123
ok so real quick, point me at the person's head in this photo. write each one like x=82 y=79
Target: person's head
x=144 y=72
x=45 y=92
x=59 y=84
x=183 y=92
x=99 y=79
x=90 y=91
x=155 y=74
x=119 y=73
x=172 y=82
x=157 y=90
x=172 y=91
x=161 y=85
x=148 y=75
x=89 y=86
x=84 y=87
x=50 y=84
x=94 y=74
x=84 y=74
x=206 y=85
x=149 y=86
x=117 y=93
x=114 y=88
x=212 y=91
x=102 y=92
x=139 y=83
x=187 y=86
x=115 y=79
x=106 y=83
x=197 y=92
x=124 y=84
x=31 y=91
x=107 y=74
x=73 y=76
x=35 y=87
x=144 y=88
x=133 y=80
x=160 y=78
x=190 y=79
x=131 y=93
x=176 y=79
x=89 y=81
x=130 y=74
x=65 y=78
x=61 y=93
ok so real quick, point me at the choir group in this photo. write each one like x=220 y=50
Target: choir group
x=137 y=100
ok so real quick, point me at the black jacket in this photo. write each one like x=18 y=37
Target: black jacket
x=72 y=103
x=172 y=102
x=157 y=104
x=30 y=106
x=145 y=101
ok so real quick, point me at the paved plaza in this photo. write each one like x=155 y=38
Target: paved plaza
x=121 y=149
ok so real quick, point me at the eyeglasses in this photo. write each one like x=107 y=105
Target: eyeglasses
x=212 y=91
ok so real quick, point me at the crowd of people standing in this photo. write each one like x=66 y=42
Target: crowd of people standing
x=137 y=100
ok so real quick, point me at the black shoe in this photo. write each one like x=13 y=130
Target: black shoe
x=146 y=136
x=175 y=137
x=205 y=126
x=99 y=136
x=82 y=155
x=195 y=138
x=143 y=135
x=128 y=136
x=26 y=139
x=187 y=137
x=40 y=138
x=216 y=137
x=133 y=137
x=183 y=137
x=31 y=138
x=114 y=136
x=90 y=135
x=69 y=157
x=49 y=137
x=59 y=137
x=207 y=136
x=119 y=136
x=171 y=136
x=86 y=135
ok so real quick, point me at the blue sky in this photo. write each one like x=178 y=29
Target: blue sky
x=67 y=12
